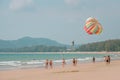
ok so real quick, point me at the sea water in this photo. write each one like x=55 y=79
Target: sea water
x=20 y=60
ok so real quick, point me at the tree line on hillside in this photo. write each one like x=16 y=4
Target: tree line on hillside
x=109 y=45
x=39 y=48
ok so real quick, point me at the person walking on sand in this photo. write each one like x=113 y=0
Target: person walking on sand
x=74 y=62
x=46 y=64
x=109 y=59
x=93 y=59
x=63 y=62
x=51 y=64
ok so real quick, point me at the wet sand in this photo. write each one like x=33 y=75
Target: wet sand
x=88 y=71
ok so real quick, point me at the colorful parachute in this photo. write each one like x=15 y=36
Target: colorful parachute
x=92 y=26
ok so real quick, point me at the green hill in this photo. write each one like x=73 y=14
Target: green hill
x=28 y=42
x=108 y=45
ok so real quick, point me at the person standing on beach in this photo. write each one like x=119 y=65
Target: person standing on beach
x=51 y=64
x=74 y=62
x=63 y=62
x=46 y=64
x=109 y=59
x=106 y=59
x=93 y=59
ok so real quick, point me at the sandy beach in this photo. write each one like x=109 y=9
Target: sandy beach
x=89 y=71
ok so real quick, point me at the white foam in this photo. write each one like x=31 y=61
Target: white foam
x=11 y=63
x=84 y=59
x=57 y=61
x=33 y=62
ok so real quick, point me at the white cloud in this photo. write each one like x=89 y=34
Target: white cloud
x=20 y=4
x=72 y=2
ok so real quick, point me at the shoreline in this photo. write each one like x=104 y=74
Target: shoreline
x=58 y=65
x=93 y=71
x=36 y=62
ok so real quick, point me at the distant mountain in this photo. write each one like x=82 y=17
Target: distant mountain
x=28 y=42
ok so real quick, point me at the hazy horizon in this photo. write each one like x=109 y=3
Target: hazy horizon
x=59 y=20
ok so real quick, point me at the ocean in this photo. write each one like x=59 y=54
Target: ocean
x=20 y=60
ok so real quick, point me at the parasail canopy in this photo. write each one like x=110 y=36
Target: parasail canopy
x=92 y=26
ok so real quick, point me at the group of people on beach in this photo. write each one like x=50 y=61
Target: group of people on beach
x=74 y=62
x=107 y=59
x=50 y=63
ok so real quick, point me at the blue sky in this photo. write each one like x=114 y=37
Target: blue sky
x=60 y=20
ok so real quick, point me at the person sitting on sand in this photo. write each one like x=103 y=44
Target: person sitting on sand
x=46 y=64
x=51 y=64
